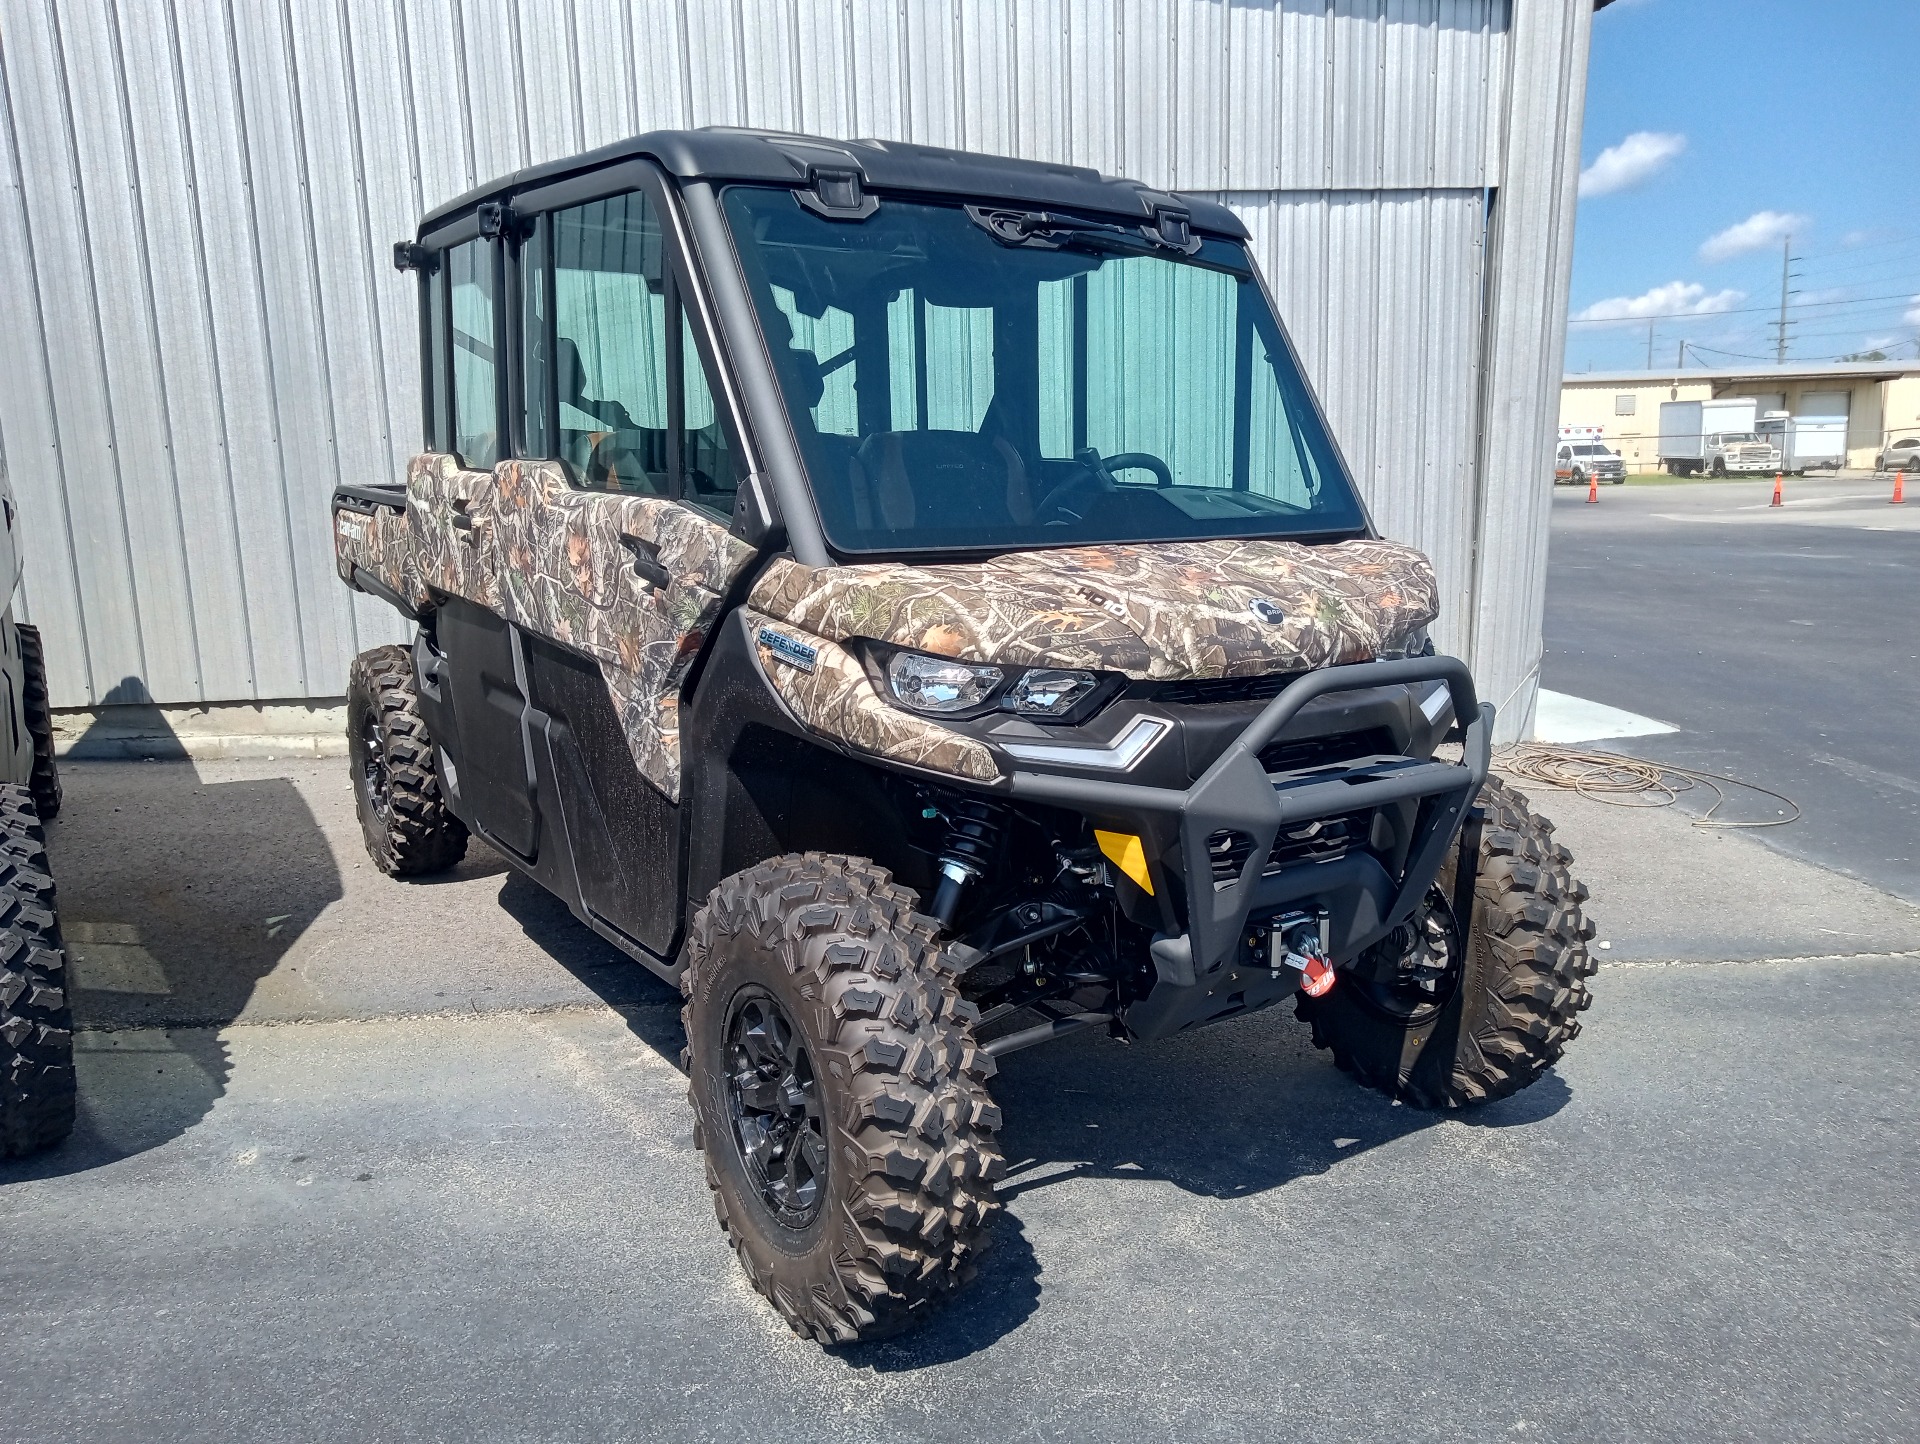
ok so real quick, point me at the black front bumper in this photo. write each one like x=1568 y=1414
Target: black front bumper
x=1237 y=795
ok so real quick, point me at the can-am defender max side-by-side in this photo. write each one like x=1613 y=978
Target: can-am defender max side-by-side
x=911 y=600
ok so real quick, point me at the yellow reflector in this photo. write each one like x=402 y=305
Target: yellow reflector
x=1125 y=852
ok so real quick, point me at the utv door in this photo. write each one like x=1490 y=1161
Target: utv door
x=607 y=553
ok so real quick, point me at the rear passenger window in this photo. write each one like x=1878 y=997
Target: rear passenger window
x=476 y=411
x=610 y=350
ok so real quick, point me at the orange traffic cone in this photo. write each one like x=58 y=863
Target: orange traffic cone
x=1899 y=488
x=1776 y=489
x=1593 y=488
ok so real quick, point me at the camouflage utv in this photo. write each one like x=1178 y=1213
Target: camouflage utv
x=911 y=601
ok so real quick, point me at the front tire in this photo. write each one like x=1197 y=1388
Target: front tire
x=36 y=1019
x=838 y=1095
x=1511 y=994
x=404 y=817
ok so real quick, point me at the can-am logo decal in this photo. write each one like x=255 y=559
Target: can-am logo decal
x=786 y=649
x=1266 y=611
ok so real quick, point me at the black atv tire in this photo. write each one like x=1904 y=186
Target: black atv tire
x=896 y=1114
x=1512 y=1012
x=36 y=1020
x=409 y=829
x=37 y=707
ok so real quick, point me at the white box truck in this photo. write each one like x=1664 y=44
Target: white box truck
x=1713 y=436
x=1805 y=443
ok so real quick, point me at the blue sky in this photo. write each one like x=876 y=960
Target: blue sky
x=1713 y=128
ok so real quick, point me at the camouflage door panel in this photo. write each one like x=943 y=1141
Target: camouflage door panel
x=1153 y=611
x=452 y=558
x=835 y=698
x=380 y=543
x=564 y=569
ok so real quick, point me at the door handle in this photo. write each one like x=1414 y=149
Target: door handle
x=646 y=562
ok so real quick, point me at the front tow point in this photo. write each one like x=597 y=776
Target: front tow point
x=1306 y=943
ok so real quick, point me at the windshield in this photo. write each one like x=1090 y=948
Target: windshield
x=1729 y=438
x=952 y=391
x=1591 y=451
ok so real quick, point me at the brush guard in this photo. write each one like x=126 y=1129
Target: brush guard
x=1236 y=794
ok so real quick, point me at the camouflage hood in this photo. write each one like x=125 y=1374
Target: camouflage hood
x=1160 y=611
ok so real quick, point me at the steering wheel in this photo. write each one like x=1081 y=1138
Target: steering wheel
x=1096 y=478
x=1132 y=461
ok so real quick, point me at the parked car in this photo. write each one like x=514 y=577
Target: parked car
x=1901 y=455
x=815 y=584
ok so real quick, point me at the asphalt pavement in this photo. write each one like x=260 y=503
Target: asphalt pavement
x=366 y=1159
x=1783 y=643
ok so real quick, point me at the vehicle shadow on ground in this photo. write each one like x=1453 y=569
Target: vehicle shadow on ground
x=176 y=897
x=1226 y=1112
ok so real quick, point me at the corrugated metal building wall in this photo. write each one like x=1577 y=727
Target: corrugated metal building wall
x=203 y=334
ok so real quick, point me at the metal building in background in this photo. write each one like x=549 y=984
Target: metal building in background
x=203 y=334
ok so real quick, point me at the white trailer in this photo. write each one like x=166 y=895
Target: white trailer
x=1805 y=443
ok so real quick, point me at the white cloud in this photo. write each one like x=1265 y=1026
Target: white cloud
x=1683 y=298
x=1636 y=158
x=1756 y=232
x=1912 y=316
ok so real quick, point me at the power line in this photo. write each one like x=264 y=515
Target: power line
x=1730 y=311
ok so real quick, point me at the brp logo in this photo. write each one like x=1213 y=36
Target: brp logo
x=1266 y=611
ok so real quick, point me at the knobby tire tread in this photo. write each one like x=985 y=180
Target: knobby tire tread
x=914 y=1153
x=1525 y=991
x=420 y=834
x=36 y=706
x=36 y=1018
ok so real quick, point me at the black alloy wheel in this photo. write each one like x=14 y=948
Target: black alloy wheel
x=1412 y=973
x=774 y=1101
x=372 y=777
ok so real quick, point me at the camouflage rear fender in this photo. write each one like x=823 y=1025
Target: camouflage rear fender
x=1150 y=611
x=833 y=696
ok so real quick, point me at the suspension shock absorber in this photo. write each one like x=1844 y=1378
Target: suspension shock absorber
x=973 y=835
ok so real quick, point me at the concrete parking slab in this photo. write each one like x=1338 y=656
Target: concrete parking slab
x=494 y=1227
x=332 y=1217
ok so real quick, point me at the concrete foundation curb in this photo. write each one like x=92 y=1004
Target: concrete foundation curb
x=144 y=732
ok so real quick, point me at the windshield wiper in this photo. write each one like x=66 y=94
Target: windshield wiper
x=1049 y=230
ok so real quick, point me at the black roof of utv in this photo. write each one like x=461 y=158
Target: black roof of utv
x=779 y=158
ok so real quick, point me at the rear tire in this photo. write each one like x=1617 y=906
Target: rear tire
x=852 y=1164
x=1516 y=992
x=36 y=1019
x=37 y=707
x=409 y=829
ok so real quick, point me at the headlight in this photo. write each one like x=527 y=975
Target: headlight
x=936 y=684
x=1048 y=692
x=944 y=687
x=1415 y=644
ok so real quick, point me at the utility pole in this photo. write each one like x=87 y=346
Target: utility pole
x=1649 y=345
x=1786 y=274
x=1680 y=360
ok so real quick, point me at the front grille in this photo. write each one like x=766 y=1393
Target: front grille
x=1295 y=754
x=1320 y=840
x=1208 y=690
